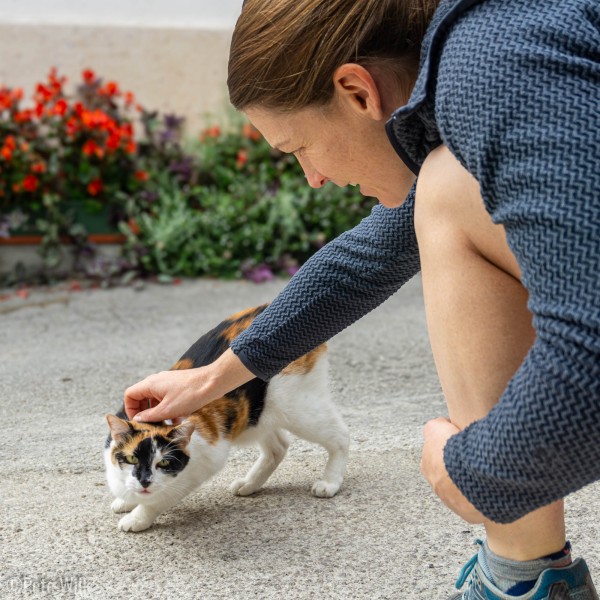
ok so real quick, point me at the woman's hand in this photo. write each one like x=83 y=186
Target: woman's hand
x=437 y=432
x=172 y=394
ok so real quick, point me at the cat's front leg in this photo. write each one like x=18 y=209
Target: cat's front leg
x=140 y=518
x=121 y=506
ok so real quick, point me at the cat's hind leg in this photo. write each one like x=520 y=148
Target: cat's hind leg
x=272 y=451
x=326 y=427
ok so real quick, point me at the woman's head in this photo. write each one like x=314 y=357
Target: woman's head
x=284 y=53
x=319 y=79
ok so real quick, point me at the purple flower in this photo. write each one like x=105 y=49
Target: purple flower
x=260 y=273
x=173 y=122
x=182 y=168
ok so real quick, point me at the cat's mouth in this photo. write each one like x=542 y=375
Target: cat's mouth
x=144 y=491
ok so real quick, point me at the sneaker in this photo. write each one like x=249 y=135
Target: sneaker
x=565 y=583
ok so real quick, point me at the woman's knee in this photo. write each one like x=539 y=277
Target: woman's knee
x=442 y=188
x=450 y=214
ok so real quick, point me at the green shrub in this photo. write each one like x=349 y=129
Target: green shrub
x=225 y=205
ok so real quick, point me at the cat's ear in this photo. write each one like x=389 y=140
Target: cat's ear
x=182 y=433
x=119 y=428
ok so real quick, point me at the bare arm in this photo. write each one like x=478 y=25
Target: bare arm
x=175 y=394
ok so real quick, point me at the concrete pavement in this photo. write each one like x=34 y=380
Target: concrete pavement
x=66 y=359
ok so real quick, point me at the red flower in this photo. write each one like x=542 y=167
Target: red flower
x=129 y=98
x=242 y=158
x=39 y=167
x=10 y=142
x=127 y=129
x=130 y=147
x=23 y=116
x=251 y=132
x=110 y=89
x=113 y=142
x=95 y=119
x=42 y=94
x=56 y=82
x=79 y=109
x=142 y=175
x=94 y=187
x=72 y=126
x=211 y=132
x=9 y=147
x=89 y=76
x=91 y=148
x=133 y=226
x=30 y=183
x=60 y=108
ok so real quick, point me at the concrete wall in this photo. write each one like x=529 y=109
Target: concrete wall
x=171 y=53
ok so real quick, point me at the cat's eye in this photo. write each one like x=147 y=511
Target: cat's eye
x=132 y=460
x=162 y=463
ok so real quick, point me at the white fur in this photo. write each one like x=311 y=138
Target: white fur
x=300 y=404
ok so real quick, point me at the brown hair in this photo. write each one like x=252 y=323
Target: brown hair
x=284 y=52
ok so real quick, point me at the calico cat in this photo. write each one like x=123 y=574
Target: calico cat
x=152 y=466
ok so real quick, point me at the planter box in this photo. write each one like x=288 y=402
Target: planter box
x=95 y=222
x=27 y=254
x=23 y=246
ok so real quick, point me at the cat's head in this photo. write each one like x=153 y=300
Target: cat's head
x=144 y=459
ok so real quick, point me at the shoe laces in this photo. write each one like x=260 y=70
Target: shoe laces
x=466 y=570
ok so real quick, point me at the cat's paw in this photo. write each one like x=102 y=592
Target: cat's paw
x=133 y=522
x=325 y=489
x=241 y=487
x=120 y=506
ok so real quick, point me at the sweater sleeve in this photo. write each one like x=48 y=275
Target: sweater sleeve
x=342 y=282
x=527 y=125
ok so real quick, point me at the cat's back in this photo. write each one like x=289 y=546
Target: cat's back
x=215 y=342
x=239 y=411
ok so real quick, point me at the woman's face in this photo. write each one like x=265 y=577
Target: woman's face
x=338 y=145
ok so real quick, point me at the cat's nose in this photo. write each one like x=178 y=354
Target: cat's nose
x=146 y=483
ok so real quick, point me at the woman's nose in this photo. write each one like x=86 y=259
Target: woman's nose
x=315 y=179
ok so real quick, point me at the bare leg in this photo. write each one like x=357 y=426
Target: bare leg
x=479 y=325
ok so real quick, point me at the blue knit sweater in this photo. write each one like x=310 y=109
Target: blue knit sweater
x=512 y=87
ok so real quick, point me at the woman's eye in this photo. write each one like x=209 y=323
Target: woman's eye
x=132 y=460
x=162 y=463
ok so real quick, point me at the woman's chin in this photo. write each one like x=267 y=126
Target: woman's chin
x=389 y=202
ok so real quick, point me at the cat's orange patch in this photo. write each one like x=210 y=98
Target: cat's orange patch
x=241 y=321
x=306 y=363
x=211 y=420
x=142 y=431
x=239 y=425
x=184 y=363
x=207 y=422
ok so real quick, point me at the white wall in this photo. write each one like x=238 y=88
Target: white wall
x=207 y=14
x=171 y=53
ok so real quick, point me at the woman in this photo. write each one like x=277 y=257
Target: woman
x=499 y=120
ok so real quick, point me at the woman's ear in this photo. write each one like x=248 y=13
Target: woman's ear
x=357 y=89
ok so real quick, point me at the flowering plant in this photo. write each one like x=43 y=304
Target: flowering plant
x=246 y=211
x=225 y=205
x=62 y=154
